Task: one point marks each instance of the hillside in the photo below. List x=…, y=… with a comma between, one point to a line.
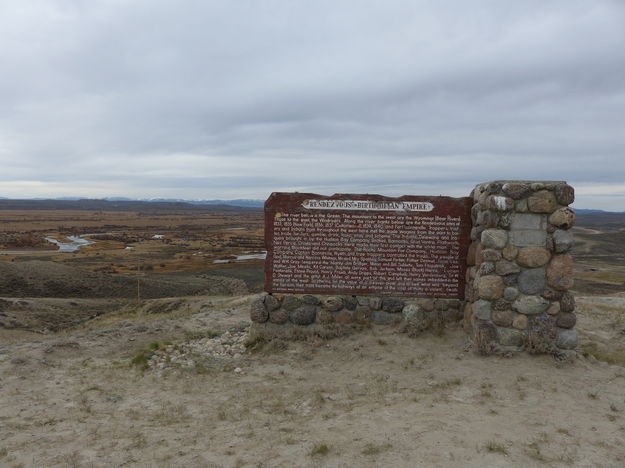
x=50, y=279
x=119, y=205
x=601, y=220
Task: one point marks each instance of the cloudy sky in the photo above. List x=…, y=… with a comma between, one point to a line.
x=236, y=99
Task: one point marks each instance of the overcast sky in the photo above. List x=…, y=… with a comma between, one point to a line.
x=236, y=99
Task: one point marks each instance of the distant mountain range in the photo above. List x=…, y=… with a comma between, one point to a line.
x=582, y=210
x=242, y=202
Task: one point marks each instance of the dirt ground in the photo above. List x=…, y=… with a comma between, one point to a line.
x=373, y=398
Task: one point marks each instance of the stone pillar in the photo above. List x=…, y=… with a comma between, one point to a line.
x=520, y=269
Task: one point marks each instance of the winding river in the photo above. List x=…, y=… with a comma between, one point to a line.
x=74, y=246
x=241, y=258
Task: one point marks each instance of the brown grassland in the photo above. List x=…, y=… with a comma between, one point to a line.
x=192, y=240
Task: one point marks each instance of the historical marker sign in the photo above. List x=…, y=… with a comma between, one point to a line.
x=366, y=244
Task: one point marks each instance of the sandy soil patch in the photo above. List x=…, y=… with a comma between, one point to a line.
x=373, y=398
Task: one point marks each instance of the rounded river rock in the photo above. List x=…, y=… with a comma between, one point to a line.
x=258, y=313
x=279, y=316
x=304, y=315
x=532, y=281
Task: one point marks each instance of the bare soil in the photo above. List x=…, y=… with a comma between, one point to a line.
x=372, y=398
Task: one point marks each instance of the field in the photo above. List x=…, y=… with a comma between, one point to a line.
x=93, y=375
x=187, y=239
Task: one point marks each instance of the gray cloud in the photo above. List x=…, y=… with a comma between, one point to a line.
x=215, y=99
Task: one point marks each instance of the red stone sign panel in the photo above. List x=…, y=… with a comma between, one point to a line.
x=366, y=245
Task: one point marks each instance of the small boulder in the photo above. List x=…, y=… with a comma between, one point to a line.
x=511, y=280
x=303, y=315
x=521, y=206
x=510, y=293
x=279, y=316
x=563, y=241
x=412, y=312
x=362, y=301
x=384, y=318
x=510, y=252
x=532, y=281
x=487, y=268
x=487, y=219
x=271, y=303
x=490, y=287
x=503, y=318
x=565, y=194
x=500, y=304
x=290, y=303
x=533, y=257
x=312, y=300
x=392, y=305
x=343, y=317
x=499, y=203
x=494, y=238
x=543, y=201
x=567, y=302
x=520, y=322
x=350, y=302
x=567, y=339
x=258, y=313
x=482, y=309
x=516, y=190
x=554, y=308
x=505, y=267
x=332, y=303
x=566, y=320
x=510, y=337
x=560, y=272
x=491, y=255
x=362, y=314
x=564, y=218
x=324, y=316
x=530, y=305
x=551, y=294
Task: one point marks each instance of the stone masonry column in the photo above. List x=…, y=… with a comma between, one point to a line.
x=520, y=269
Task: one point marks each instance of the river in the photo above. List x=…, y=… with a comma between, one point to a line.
x=241, y=258
x=74, y=246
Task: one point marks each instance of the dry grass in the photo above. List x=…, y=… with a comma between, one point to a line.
x=193, y=240
x=611, y=353
x=375, y=449
x=319, y=449
x=496, y=447
x=270, y=339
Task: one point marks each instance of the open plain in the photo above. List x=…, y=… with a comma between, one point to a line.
x=106, y=362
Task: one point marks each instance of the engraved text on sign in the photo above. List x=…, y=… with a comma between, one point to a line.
x=390, y=247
